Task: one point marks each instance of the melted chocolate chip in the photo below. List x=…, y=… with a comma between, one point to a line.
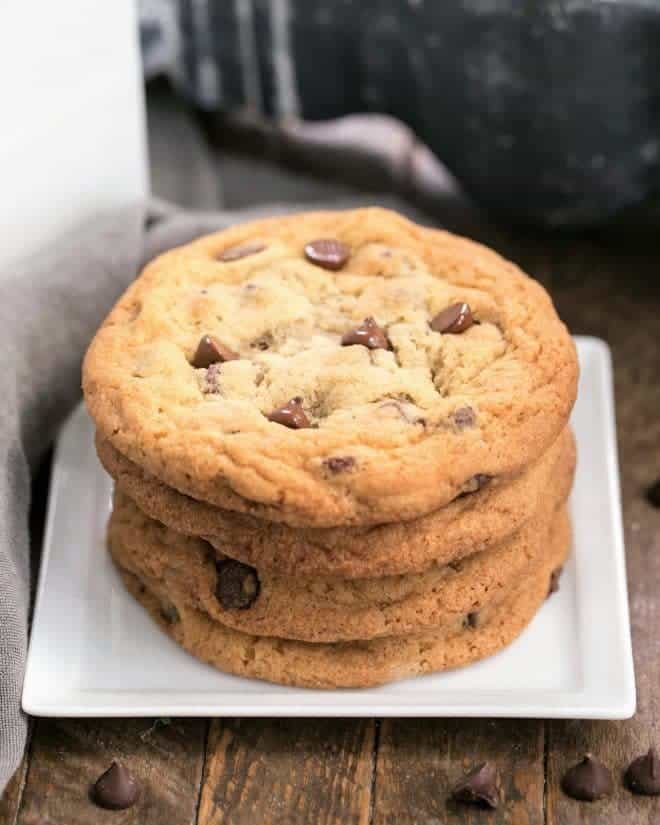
x=235, y=253
x=169, y=613
x=211, y=351
x=553, y=587
x=480, y=787
x=263, y=342
x=327, y=253
x=339, y=463
x=588, y=780
x=653, y=493
x=643, y=775
x=290, y=415
x=237, y=586
x=116, y=789
x=368, y=334
x=456, y=318
x=474, y=484
x=473, y=620
x=464, y=418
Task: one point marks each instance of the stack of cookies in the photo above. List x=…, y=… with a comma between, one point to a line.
x=340, y=444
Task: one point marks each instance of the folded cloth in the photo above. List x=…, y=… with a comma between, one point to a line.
x=50, y=307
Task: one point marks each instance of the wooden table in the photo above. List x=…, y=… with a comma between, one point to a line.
x=393, y=772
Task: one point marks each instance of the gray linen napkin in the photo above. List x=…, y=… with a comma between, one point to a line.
x=50, y=306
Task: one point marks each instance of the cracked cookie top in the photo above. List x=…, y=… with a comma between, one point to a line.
x=331, y=368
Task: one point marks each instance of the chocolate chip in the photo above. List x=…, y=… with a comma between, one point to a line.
x=211, y=351
x=237, y=586
x=339, y=463
x=456, y=318
x=480, y=787
x=653, y=493
x=169, y=613
x=588, y=780
x=474, y=484
x=235, y=253
x=553, y=587
x=116, y=789
x=290, y=415
x=368, y=334
x=472, y=620
x=643, y=775
x=263, y=342
x=464, y=417
x=327, y=253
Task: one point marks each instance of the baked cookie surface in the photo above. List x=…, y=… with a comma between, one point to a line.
x=331, y=368
x=350, y=664
x=326, y=608
x=469, y=524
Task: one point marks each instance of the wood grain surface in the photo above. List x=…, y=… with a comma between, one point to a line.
x=395, y=772
x=311, y=771
x=67, y=757
x=419, y=761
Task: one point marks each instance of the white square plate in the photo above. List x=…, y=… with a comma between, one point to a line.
x=95, y=652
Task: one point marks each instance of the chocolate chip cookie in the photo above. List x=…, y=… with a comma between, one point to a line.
x=473, y=522
x=348, y=664
x=331, y=368
x=327, y=608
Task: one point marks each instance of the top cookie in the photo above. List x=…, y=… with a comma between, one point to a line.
x=331, y=368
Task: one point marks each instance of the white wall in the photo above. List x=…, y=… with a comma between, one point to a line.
x=72, y=138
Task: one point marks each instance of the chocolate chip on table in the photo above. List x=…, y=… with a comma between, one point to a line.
x=456, y=318
x=588, y=780
x=116, y=789
x=327, y=253
x=553, y=587
x=643, y=775
x=464, y=417
x=290, y=415
x=339, y=463
x=480, y=787
x=237, y=586
x=211, y=351
x=368, y=335
x=235, y=253
x=653, y=493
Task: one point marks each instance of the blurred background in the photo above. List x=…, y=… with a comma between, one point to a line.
x=544, y=113
x=472, y=114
